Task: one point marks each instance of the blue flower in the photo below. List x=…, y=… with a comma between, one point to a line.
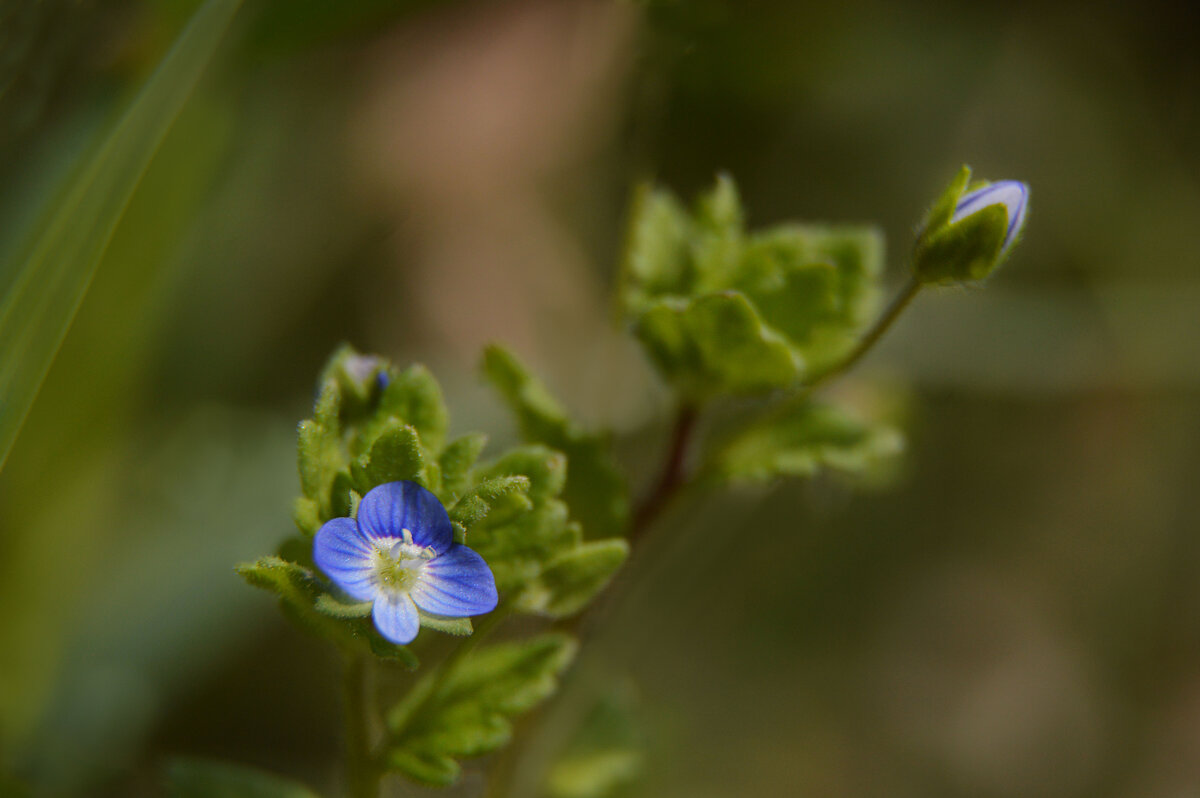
x=400, y=554
x=1013, y=195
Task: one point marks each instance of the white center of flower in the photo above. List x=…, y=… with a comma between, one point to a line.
x=398, y=566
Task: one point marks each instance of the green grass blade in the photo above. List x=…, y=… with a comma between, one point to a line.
x=62, y=255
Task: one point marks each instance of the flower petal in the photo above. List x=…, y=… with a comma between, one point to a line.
x=1012, y=194
x=346, y=557
x=458, y=583
x=396, y=617
x=389, y=509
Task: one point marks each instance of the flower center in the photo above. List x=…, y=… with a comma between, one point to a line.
x=398, y=566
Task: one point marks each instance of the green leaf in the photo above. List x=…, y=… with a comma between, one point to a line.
x=467, y=711
x=394, y=455
x=802, y=440
x=456, y=462
x=414, y=397
x=717, y=343
x=195, y=778
x=300, y=592
x=320, y=460
x=61, y=257
x=816, y=285
x=595, y=489
x=519, y=546
x=655, y=263
x=307, y=515
x=572, y=580
x=546, y=470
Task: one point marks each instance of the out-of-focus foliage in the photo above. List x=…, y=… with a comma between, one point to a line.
x=58, y=263
x=720, y=310
x=190, y=778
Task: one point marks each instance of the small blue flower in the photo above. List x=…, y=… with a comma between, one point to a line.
x=1012, y=194
x=400, y=554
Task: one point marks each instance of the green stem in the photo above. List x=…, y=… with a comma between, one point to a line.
x=868, y=341
x=362, y=777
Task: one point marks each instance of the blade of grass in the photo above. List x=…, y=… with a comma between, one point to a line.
x=62, y=255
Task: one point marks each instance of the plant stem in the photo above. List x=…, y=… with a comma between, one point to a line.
x=881, y=326
x=362, y=776
x=673, y=475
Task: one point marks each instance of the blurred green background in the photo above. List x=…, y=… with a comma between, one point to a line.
x=1015, y=612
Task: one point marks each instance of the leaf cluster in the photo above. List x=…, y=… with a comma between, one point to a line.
x=720, y=310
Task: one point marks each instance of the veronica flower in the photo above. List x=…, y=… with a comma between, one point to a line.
x=1013, y=195
x=400, y=554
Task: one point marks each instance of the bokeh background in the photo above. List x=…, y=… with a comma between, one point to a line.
x=1015, y=611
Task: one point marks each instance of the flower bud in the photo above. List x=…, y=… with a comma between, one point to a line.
x=967, y=234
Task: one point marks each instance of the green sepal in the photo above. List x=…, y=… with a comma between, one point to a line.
x=456, y=462
x=800, y=441
x=943, y=208
x=968, y=250
x=467, y=711
x=196, y=778
x=595, y=489
x=394, y=455
x=334, y=607
x=570, y=581
x=716, y=343
x=299, y=592
x=459, y=627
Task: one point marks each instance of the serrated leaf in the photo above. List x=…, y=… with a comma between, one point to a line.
x=545, y=469
x=595, y=489
x=801, y=441
x=456, y=462
x=394, y=455
x=320, y=459
x=60, y=259
x=468, y=711
x=195, y=778
x=717, y=343
x=816, y=285
x=570, y=581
